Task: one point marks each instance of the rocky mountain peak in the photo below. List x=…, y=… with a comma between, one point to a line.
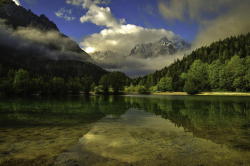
x=162, y=47
x=164, y=40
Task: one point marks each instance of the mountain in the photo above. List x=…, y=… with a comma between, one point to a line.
x=17, y=16
x=163, y=47
x=35, y=43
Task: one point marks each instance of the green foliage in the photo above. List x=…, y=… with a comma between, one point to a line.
x=247, y=73
x=197, y=78
x=214, y=74
x=235, y=73
x=114, y=80
x=104, y=82
x=218, y=55
x=98, y=89
x=136, y=89
x=21, y=82
x=190, y=87
x=142, y=89
x=165, y=84
x=153, y=89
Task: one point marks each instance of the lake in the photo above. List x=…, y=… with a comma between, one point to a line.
x=125, y=131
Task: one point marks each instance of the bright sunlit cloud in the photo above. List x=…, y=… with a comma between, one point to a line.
x=90, y=50
x=17, y=2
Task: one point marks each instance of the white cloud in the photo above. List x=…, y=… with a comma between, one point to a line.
x=66, y=14
x=100, y=16
x=17, y=2
x=218, y=19
x=87, y=3
x=194, y=9
x=119, y=38
x=40, y=43
x=96, y=14
x=232, y=23
x=123, y=38
x=135, y=66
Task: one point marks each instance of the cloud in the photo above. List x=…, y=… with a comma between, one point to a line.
x=17, y=2
x=87, y=3
x=135, y=66
x=217, y=19
x=66, y=14
x=39, y=43
x=193, y=9
x=233, y=23
x=101, y=16
x=119, y=38
x=123, y=38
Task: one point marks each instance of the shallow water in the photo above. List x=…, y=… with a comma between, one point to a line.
x=129, y=130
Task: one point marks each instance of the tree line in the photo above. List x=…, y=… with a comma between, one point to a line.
x=222, y=66
x=22, y=82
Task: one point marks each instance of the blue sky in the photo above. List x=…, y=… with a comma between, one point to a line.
x=117, y=26
x=144, y=13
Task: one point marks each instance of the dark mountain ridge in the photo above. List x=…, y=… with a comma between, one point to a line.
x=53, y=57
x=17, y=16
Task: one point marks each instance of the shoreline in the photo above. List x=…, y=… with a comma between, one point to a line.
x=203, y=94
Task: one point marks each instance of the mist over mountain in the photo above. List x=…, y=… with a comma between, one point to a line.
x=144, y=58
x=35, y=43
x=24, y=31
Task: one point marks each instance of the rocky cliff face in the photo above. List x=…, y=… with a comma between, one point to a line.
x=163, y=47
x=18, y=16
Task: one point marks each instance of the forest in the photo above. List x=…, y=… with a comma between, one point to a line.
x=222, y=66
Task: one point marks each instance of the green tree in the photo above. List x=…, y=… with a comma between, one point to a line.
x=114, y=80
x=247, y=73
x=117, y=81
x=214, y=71
x=190, y=87
x=141, y=89
x=93, y=85
x=104, y=82
x=165, y=84
x=21, y=83
x=197, y=78
x=234, y=71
